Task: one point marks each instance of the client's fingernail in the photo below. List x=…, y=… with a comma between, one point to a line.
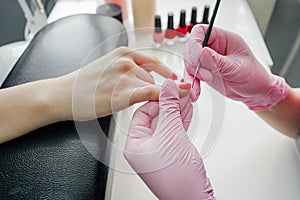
x=185, y=86
x=174, y=76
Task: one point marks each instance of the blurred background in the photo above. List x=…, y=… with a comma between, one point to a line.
x=279, y=22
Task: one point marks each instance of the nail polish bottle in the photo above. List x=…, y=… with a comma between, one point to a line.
x=205, y=15
x=158, y=35
x=182, y=29
x=193, y=19
x=170, y=33
x=143, y=13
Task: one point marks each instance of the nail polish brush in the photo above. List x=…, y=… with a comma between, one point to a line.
x=207, y=35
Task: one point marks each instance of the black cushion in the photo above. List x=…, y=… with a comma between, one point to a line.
x=52, y=162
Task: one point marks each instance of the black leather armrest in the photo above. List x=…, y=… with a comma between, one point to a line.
x=51, y=162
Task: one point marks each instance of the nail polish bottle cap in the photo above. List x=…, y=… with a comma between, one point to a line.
x=205, y=15
x=182, y=19
x=194, y=15
x=171, y=21
x=158, y=24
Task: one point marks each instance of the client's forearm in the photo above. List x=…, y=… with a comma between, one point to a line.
x=25, y=108
x=285, y=116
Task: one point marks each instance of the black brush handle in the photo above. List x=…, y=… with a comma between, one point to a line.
x=211, y=24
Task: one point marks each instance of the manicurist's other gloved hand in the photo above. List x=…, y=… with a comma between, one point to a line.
x=229, y=66
x=159, y=150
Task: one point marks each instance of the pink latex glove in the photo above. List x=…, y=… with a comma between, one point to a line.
x=159, y=150
x=229, y=66
x=196, y=89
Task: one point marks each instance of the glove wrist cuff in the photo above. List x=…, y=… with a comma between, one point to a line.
x=277, y=92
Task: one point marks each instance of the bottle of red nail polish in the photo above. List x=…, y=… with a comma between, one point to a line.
x=205, y=15
x=170, y=33
x=158, y=35
x=182, y=29
x=193, y=19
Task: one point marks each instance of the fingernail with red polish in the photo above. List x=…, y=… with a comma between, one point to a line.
x=174, y=76
x=185, y=86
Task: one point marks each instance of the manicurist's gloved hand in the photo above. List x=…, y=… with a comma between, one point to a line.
x=196, y=89
x=159, y=150
x=229, y=66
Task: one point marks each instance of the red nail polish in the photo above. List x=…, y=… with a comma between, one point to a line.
x=185, y=86
x=170, y=33
x=182, y=29
x=193, y=19
x=174, y=77
x=158, y=35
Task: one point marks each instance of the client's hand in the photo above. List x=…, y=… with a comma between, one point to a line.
x=107, y=85
x=159, y=150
